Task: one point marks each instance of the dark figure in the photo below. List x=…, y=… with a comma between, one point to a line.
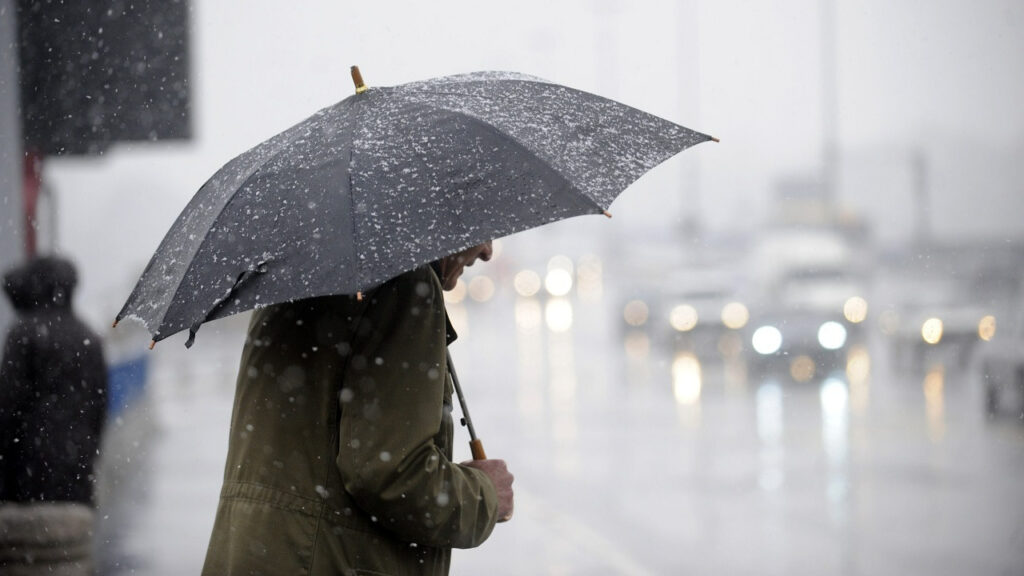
x=53, y=390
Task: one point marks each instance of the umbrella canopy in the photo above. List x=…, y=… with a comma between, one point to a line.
x=388, y=180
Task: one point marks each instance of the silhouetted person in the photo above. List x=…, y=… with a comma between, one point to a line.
x=53, y=397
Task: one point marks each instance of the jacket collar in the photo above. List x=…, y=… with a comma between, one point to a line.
x=449, y=331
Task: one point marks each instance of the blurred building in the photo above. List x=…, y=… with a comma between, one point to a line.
x=83, y=77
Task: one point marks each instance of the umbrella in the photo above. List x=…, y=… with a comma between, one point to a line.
x=388, y=180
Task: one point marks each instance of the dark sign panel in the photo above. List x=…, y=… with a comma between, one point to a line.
x=95, y=73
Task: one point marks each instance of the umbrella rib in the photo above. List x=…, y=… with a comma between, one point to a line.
x=207, y=229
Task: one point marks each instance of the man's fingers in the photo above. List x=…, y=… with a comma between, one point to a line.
x=502, y=479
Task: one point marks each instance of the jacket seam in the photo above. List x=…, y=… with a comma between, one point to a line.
x=225, y=495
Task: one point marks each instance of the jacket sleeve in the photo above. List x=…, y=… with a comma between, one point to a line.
x=392, y=408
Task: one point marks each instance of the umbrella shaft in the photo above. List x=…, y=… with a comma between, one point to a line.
x=462, y=399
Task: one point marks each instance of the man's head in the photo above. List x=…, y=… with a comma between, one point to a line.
x=451, y=267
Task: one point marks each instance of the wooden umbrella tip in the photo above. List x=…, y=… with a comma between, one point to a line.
x=359, y=296
x=607, y=214
x=152, y=344
x=357, y=79
x=713, y=139
x=114, y=325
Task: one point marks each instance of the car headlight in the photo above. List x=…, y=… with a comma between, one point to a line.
x=931, y=330
x=832, y=335
x=766, y=340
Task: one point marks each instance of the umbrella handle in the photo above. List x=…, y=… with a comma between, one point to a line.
x=477, y=448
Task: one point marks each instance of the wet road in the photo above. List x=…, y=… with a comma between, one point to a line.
x=631, y=458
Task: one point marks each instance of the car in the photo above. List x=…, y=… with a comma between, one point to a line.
x=807, y=324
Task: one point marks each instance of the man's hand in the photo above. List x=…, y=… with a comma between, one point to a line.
x=502, y=480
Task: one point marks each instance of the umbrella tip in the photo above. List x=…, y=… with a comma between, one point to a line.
x=152, y=344
x=359, y=296
x=713, y=139
x=607, y=214
x=357, y=79
x=115, y=324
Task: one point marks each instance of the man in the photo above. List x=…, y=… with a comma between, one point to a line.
x=339, y=460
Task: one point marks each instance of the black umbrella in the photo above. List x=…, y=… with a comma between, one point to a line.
x=390, y=179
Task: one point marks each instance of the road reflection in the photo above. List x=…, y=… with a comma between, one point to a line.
x=934, y=402
x=769, y=401
x=835, y=433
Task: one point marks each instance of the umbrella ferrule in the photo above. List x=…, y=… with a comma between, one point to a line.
x=357, y=79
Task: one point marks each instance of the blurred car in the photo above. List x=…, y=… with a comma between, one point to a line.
x=1000, y=360
x=693, y=308
x=946, y=333
x=706, y=321
x=1001, y=367
x=807, y=324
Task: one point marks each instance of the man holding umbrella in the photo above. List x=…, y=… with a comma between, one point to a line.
x=339, y=459
x=342, y=232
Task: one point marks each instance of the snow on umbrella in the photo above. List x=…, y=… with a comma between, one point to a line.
x=388, y=180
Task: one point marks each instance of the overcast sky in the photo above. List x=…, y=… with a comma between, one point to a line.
x=942, y=76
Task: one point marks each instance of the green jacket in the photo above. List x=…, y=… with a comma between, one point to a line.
x=339, y=460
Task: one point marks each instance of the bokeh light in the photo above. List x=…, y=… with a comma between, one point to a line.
x=858, y=364
x=987, y=328
x=560, y=262
x=481, y=288
x=766, y=340
x=529, y=316
x=855, y=309
x=558, y=282
x=635, y=313
x=558, y=315
x=638, y=345
x=834, y=398
x=683, y=318
x=735, y=315
x=931, y=330
x=686, y=378
x=456, y=294
x=832, y=335
x=802, y=368
x=527, y=283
